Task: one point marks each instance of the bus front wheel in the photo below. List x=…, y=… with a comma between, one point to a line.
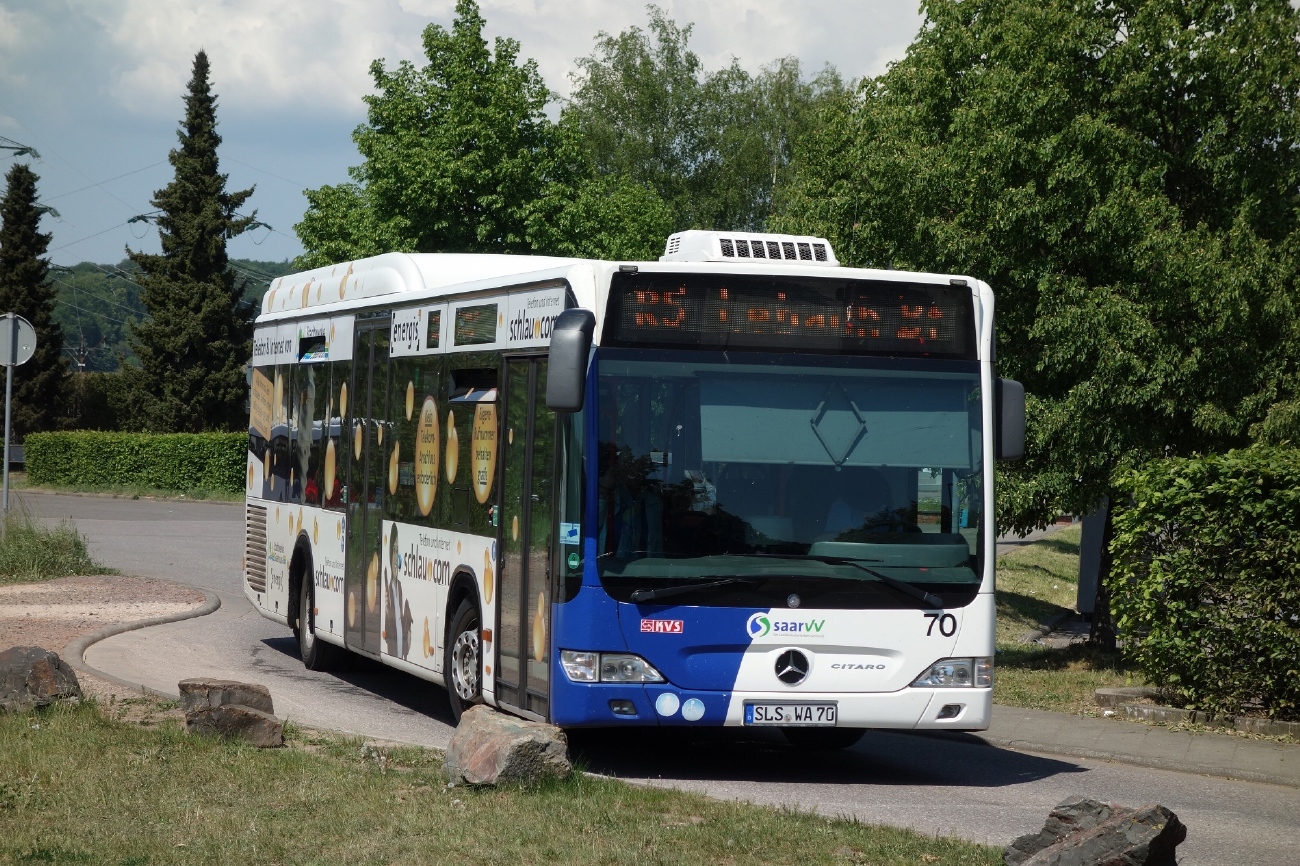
x=463, y=663
x=316, y=654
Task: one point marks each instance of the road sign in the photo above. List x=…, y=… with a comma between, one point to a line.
x=17, y=340
x=17, y=345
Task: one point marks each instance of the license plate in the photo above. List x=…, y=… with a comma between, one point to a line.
x=790, y=715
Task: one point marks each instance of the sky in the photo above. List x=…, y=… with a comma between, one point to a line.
x=96, y=86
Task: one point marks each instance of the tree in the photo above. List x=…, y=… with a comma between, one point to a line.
x=40, y=385
x=198, y=338
x=713, y=145
x=455, y=153
x=1125, y=175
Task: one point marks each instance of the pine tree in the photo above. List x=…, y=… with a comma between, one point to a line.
x=40, y=385
x=194, y=347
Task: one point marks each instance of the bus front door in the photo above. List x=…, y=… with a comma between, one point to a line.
x=366, y=490
x=523, y=615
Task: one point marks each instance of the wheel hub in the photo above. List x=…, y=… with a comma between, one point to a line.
x=464, y=665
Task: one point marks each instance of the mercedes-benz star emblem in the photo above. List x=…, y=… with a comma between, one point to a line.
x=791, y=667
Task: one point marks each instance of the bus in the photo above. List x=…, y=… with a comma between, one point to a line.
x=740, y=486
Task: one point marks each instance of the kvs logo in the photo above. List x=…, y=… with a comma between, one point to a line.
x=662, y=626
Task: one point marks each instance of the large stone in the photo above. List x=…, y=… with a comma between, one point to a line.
x=1084, y=832
x=202, y=692
x=33, y=677
x=490, y=748
x=239, y=722
x=1074, y=814
x=226, y=708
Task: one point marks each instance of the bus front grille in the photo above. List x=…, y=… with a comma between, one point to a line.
x=255, y=547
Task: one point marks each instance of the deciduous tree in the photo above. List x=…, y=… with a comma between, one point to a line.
x=715, y=146
x=1125, y=175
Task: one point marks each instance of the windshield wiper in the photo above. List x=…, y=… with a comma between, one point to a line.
x=683, y=588
x=892, y=582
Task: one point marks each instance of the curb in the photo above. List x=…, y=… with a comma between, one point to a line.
x=147, y=497
x=1046, y=628
x=74, y=653
x=1140, y=761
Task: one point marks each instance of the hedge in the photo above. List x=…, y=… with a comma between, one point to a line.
x=1206, y=578
x=170, y=461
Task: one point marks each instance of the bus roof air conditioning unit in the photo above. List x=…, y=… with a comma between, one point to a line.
x=748, y=247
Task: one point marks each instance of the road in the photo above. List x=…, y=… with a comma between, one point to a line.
x=958, y=785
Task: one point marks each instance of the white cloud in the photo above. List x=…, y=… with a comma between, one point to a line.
x=314, y=55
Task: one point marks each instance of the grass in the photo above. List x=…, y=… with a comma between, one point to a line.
x=31, y=551
x=18, y=481
x=1035, y=584
x=77, y=786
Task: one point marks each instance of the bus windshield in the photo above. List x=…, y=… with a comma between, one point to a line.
x=834, y=477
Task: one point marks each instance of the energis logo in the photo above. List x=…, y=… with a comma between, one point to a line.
x=762, y=625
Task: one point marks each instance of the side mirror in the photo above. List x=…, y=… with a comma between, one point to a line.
x=1009, y=422
x=566, y=378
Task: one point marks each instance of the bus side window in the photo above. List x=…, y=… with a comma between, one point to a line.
x=337, y=406
x=473, y=400
x=418, y=454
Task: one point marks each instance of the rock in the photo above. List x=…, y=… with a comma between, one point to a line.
x=227, y=708
x=490, y=748
x=1084, y=832
x=33, y=677
x=202, y=692
x=1076, y=813
x=255, y=727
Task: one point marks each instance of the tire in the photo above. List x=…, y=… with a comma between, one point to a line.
x=462, y=662
x=822, y=739
x=316, y=654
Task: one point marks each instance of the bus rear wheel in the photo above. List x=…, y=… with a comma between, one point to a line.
x=463, y=665
x=316, y=654
x=822, y=739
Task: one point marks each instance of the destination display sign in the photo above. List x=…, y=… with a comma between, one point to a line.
x=818, y=314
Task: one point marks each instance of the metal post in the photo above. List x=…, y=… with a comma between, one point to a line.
x=11, y=362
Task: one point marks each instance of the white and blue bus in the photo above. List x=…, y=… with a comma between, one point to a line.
x=741, y=485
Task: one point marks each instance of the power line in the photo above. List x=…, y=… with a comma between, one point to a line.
x=78, y=171
x=264, y=171
x=95, y=314
x=110, y=180
x=86, y=238
x=75, y=289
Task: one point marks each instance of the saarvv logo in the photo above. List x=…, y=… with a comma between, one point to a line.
x=662, y=626
x=761, y=625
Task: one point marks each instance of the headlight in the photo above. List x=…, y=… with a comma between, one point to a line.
x=580, y=667
x=590, y=667
x=957, y=673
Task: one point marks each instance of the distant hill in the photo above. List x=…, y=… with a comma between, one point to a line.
x=97, y=304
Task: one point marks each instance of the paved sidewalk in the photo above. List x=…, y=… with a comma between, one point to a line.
x=1212, y=754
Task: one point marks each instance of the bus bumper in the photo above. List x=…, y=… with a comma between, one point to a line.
x=606, y=705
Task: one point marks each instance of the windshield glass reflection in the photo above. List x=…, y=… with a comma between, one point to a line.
x=714, y=464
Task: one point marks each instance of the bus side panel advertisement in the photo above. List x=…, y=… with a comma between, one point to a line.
x=530, y=316
x=419, y=565
x=325, y=531
x=417, y=331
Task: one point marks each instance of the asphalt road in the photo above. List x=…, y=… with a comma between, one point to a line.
x=957, y=785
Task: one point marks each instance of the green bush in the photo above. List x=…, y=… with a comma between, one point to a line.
x=163, y=461
x=1206, y=579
